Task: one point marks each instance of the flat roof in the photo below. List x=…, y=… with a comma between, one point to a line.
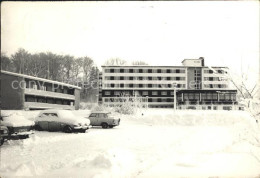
x=39, y=79
x=190, y=59
x=148, y=66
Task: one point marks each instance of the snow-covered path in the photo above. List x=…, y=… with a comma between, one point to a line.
x=136, y=149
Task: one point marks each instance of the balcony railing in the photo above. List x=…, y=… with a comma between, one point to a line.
x=48, y=94
x=37, y=105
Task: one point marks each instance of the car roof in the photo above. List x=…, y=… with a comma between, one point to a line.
x=52, y=110
x=103, y=112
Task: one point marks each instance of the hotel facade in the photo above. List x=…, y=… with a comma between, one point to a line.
x=20, y=91
x=195, y=85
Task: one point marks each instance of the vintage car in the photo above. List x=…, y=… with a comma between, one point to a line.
x=3, y=134
x=61, y=120
x=103, y=119
x=18, y=126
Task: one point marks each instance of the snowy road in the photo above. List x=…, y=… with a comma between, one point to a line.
x=135, y=149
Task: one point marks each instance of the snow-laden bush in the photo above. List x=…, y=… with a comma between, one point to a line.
x=87, y=106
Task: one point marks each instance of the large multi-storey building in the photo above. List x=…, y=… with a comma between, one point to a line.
x=20, y=91
x=196, y=86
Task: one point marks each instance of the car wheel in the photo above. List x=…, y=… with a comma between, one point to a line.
x=67, y=129
x=37, y=127
x=104, y=125
x=2, y=141
x=111, y=126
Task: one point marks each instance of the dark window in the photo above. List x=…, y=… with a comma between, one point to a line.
x=121, y=85
x=112, y=85
x=168, y=70
x=150, y=71
x=210, y=78
x=131, y=85
x=168, y=78
x=150, y=85
x=140, y=70
x=159, y=70
x=112, y=78
x=177, y=70
x=112, y=70
x=131, y=78
x=211, y=71
x=178, y=78
x=121, y=78
x=140, y=78
x=131, y=70
x=159, y=78
x=141, y=85
x=121, y=70
x=150, y=78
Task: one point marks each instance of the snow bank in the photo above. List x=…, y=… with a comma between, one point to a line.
x=191, y=117
x=115, y=162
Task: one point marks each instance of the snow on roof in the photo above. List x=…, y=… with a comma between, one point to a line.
x=39, y=79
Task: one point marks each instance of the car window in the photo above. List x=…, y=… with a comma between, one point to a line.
x=93, y=115
x=53, y=115
x=101, y=115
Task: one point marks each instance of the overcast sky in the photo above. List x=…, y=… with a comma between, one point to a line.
x=160, y=33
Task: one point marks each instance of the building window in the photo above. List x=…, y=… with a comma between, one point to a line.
x=159, y=71
x=140, y=85
x=107, y=70
x=182, y=71
x=154, y=93
x=121, y=78
x=131, y=85
x=140, y=70
x=145, y=93
x=163, y=70
x=121, y=70
x=121, y=85
x=107, y=93
x=131, y=70
x=150, y=71
x=112, y=70
x=117, y=93
x=227, y=108
x=164, y=93
x=177, y=70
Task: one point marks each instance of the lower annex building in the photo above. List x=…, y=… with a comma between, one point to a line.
x=19, y=91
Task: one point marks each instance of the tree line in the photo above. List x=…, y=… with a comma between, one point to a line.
x=80, y=71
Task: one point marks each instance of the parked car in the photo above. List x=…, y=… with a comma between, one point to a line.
x=18, y=126
x=61, y=120
x=103, y=119
x=3, y=134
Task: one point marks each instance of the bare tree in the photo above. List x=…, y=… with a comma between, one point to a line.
x=115, y=62
x=139, y=63
x=6, y=63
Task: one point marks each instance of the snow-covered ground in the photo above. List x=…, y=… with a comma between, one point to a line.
x=153, y=143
